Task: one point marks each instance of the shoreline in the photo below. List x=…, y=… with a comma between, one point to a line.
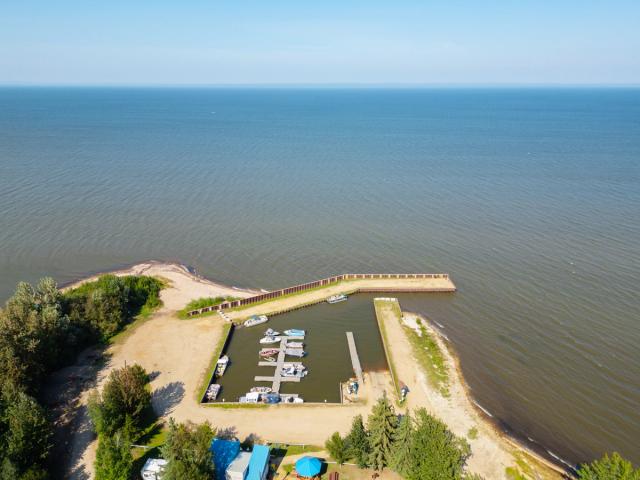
x=496, y=425
x=185, y=285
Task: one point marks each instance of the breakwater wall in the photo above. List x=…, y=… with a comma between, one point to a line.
x=374, y=278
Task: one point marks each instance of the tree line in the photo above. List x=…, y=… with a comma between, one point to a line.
x=418, y=446
x=41, y=330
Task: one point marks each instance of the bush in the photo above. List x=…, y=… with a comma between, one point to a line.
x=187, y=452
x=336, y=447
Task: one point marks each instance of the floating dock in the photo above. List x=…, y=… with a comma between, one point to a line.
x=276, y=379
x=355, y=360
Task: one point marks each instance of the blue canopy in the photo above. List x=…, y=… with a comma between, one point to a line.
x=308, y=466
x=224, y=452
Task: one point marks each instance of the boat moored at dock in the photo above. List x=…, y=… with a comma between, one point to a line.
x=337, y=298
x=269, y=340
x=269, y=352
x=294, y=332
x=295, y=352
x=295, y=344
x=212, y=392
x=271, y=333
x=256, y=320
x=221, y=365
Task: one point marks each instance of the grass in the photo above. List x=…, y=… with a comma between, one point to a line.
x=472, y=433
x=380, y=306
x=152, y=439
x=428, y=353
x=203, y=302
x=230, y=405
x=204, y=381
x=287, y=450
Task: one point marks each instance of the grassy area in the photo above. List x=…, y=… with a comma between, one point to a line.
x=201, y=303
x=149, y=446
x=231, y=405
x=427, y=352
x=286, y=450
x=394, y=307
x=204, y=381
x=472, y=433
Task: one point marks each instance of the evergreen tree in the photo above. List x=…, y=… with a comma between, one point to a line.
x=381, y=425
x=337, y=448
x=113, y=457
x=436, y=452
x=358, y=443
x=612, y=467
x=402, y=446
x=187, y=452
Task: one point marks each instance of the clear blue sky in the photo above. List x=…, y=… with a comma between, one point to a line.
x=321, y=41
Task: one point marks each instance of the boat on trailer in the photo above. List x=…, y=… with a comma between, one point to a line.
x=221, y=365
x=269, y=340
x=294, y=332
x=256, y=320
x=337, y=298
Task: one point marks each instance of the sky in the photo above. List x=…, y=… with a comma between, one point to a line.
x=446, y=42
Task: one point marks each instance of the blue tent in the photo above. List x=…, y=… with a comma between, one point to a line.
x=259, y=463
x=224, y=452
x=308, y=466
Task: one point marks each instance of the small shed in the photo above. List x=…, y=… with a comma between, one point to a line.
x=259, y=463
x=153, y=469
x=238, y=468
x=224, y=452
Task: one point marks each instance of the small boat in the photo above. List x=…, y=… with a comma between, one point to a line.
x=271, y=398
x=295, y=344
x=294, y=332
x=270, y=359
x=271, y=333
x=294, y=371
x=222, y=365
x=269, y=340
x=268, y=352
x=290, y=399
x=251, y=397
x=260, y=390
x=255, y=320
x=337, y=298
x=295, y=352
x=212, y=391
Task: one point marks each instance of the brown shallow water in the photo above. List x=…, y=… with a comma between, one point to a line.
x=328, y=359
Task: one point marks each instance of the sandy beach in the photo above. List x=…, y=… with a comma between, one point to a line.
x=177, y=353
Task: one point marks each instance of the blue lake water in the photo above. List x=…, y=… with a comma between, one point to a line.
x=529, y=198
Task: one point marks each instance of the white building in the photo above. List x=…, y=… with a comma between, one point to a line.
x=153, y=469
x=237, y=470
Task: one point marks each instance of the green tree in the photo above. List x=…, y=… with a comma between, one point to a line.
x=358, y=442
x=27, y=432
x=337, y=448
x=612, y=467
x=381, y=426
x=113, y=457
x=437, y=454
x=402, y=453
x=187, y=452
x=124, y=401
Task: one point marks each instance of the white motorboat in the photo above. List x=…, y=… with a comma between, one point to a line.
x=294, y=332
x=212, y=392
x=295, y=352
x=271, y=333
x=269, y=340
x=337, y=298
x=221, y=365
x=256, y=320
x=295, y=344
x=260, y=390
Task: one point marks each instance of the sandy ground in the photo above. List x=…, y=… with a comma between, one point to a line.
x=177, y=353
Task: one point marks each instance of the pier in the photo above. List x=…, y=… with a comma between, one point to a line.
x=355, y=360
x=276, y=379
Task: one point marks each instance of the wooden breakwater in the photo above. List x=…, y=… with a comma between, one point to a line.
x=370, y=282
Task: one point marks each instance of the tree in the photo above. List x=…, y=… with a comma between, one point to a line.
x=187, y=451
x=402, y=453
x=612, y=467
x=337, y=448
x=27, y=433
x=125, y=399
x=436, y=452
x=113, y=457
x=381, y=425
x=358, y=442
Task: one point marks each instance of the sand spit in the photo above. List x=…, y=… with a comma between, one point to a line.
x=177, y=354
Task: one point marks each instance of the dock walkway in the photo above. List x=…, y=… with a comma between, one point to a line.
x=355, y=360
x=276, y=379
